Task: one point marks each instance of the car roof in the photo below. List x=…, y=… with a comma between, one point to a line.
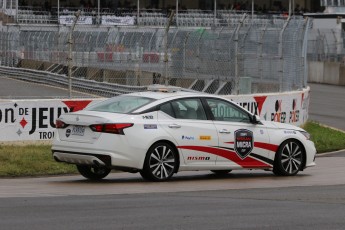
x=164, y=95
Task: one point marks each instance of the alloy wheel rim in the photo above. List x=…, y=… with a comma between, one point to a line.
x=162, y=162
x=291, y=157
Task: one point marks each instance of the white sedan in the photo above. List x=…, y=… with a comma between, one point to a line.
x=161, y=133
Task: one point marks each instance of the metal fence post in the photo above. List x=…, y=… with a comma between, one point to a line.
x=304, y=52
x=198, y=52
x=281, y=55
x=184, y=53
x=237, y=77
x=260, y=48
x=70, y=58
x=166, y=58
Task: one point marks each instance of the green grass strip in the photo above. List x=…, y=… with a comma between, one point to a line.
x=326, y=139
x=30, y=160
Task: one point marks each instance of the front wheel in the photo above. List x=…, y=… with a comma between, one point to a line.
x=289, y=159
x=93, y=172
x=161, y=162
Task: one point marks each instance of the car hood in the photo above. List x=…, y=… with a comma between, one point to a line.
x=277, y=125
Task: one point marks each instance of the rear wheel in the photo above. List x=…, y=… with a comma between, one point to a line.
x=161, y=162
x=93, y=172
x=289, y=159
x=221, y=172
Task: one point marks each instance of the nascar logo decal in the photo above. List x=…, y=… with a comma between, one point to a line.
x=243, y=142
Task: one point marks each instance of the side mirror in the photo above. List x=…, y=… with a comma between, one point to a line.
x=256, y=119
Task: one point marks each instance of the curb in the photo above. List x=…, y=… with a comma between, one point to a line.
x=329, y=153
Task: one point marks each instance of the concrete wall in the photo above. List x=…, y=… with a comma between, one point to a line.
x=326, y=72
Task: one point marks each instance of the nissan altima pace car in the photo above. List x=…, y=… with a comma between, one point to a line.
x=161, y=133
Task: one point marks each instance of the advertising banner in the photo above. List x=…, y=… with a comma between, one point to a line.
x=34, y=120
x=117, y=21
x=291, y=108
x=22, y=120
x=69, y=19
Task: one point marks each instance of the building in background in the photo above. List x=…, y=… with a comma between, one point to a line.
x=300, y=6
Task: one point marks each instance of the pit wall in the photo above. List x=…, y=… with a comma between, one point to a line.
x=33, y=120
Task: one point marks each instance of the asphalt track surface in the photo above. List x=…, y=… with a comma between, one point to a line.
x=14, y=89
x=327, y=105
x=314, y=199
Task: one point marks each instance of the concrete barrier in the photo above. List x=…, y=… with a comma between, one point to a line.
x=326, y=72
x=34, y=120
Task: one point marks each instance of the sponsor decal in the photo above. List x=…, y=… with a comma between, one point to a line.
x=305, y=106
x=289, y=132
x=75, y=106
x=244, y=142
x=278, y=116
x=205, y=138
x=198, y=158
x=294, y=114
x=29, y=121
x=254, y=107
x=260, y=102
x=188, y=138
x=148, y=117
x=150, y=126
x=249, y=162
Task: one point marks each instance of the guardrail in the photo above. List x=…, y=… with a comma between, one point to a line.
x=91, y=87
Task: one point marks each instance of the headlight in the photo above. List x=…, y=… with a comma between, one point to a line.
x=306, y=134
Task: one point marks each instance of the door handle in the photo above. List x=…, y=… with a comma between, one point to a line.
x=174, y=126
x=225, y=131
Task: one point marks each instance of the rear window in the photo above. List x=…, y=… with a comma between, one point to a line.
x=121, y=104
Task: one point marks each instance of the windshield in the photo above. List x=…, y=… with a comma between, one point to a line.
x=120, y=104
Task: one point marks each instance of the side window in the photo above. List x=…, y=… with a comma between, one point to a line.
x=166, y=108
x=225, y=111
x=189, y=109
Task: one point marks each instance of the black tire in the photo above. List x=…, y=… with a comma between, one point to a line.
x=289, y=159
x=221, y=172
x=93, y=172
x=161, y=162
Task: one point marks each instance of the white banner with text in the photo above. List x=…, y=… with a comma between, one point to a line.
x=22, y=120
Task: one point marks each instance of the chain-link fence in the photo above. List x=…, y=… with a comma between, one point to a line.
x=327, y=45
x=248, y=55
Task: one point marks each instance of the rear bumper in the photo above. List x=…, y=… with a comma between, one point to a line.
x=82, y=158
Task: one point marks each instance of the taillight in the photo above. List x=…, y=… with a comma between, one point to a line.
x=111, y=128
x=60, y=124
